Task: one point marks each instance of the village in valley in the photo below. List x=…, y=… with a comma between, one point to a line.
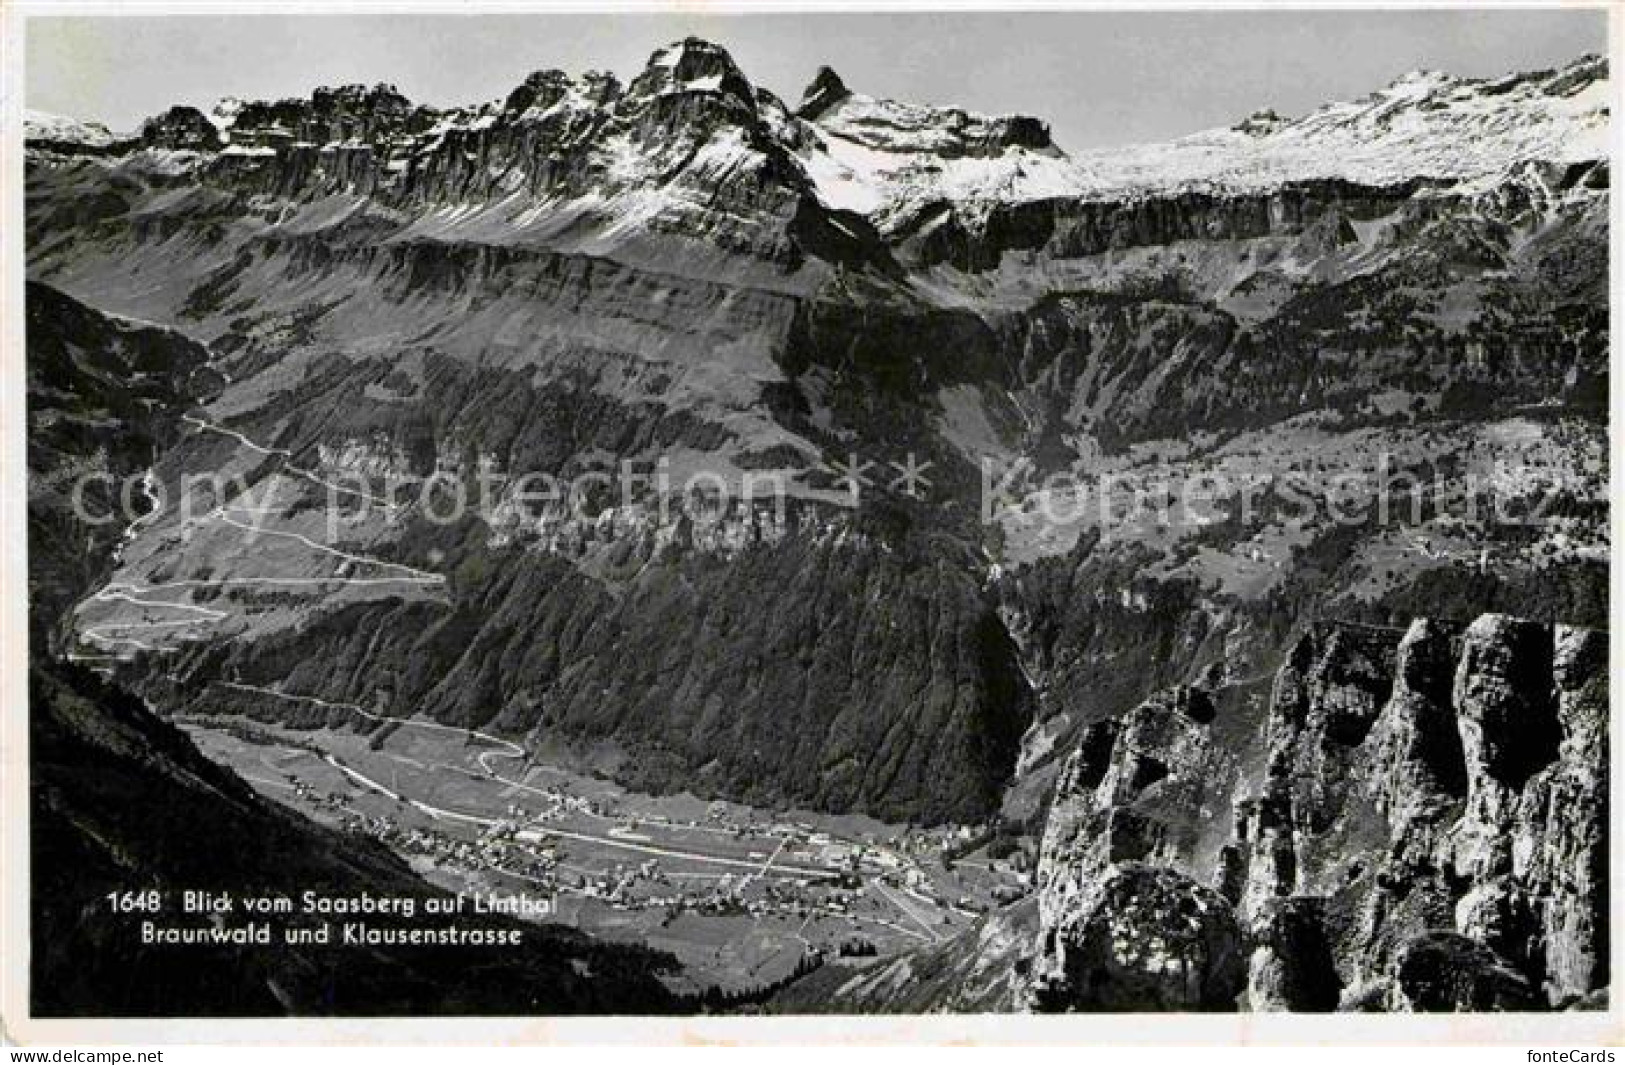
x=743, y=898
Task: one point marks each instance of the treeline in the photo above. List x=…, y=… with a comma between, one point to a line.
x=715, y=999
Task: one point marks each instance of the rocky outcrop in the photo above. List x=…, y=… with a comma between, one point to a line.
x=1142, y=939
x=1125, y=924
x=1535, y=709
x=181, y=129
x=1427, y=830
x=1292, y=967
x=1444, y=972
x=356, y=113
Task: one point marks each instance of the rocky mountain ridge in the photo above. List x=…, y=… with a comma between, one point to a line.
x=859, y=151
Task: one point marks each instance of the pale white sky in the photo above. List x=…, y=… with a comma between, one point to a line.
x=1098, y=78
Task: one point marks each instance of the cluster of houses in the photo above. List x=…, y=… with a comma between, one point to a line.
x=520, y=843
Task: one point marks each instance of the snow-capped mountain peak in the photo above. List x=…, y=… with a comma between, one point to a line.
x=46, y=127
x=1423, y=124
x=691, y=65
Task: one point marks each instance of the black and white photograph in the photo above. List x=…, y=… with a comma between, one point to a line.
x=748, y=516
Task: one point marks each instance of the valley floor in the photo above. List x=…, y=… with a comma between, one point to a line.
x=743, y=897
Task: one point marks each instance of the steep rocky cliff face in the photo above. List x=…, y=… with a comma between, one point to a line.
x=1409, y=820
x=908, y=705
x=404, y=303
x=104, y=397
x=1419, y=824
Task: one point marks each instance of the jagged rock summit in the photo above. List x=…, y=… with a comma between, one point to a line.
x=885, y=159
x=692, y=65
x=823, y=92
